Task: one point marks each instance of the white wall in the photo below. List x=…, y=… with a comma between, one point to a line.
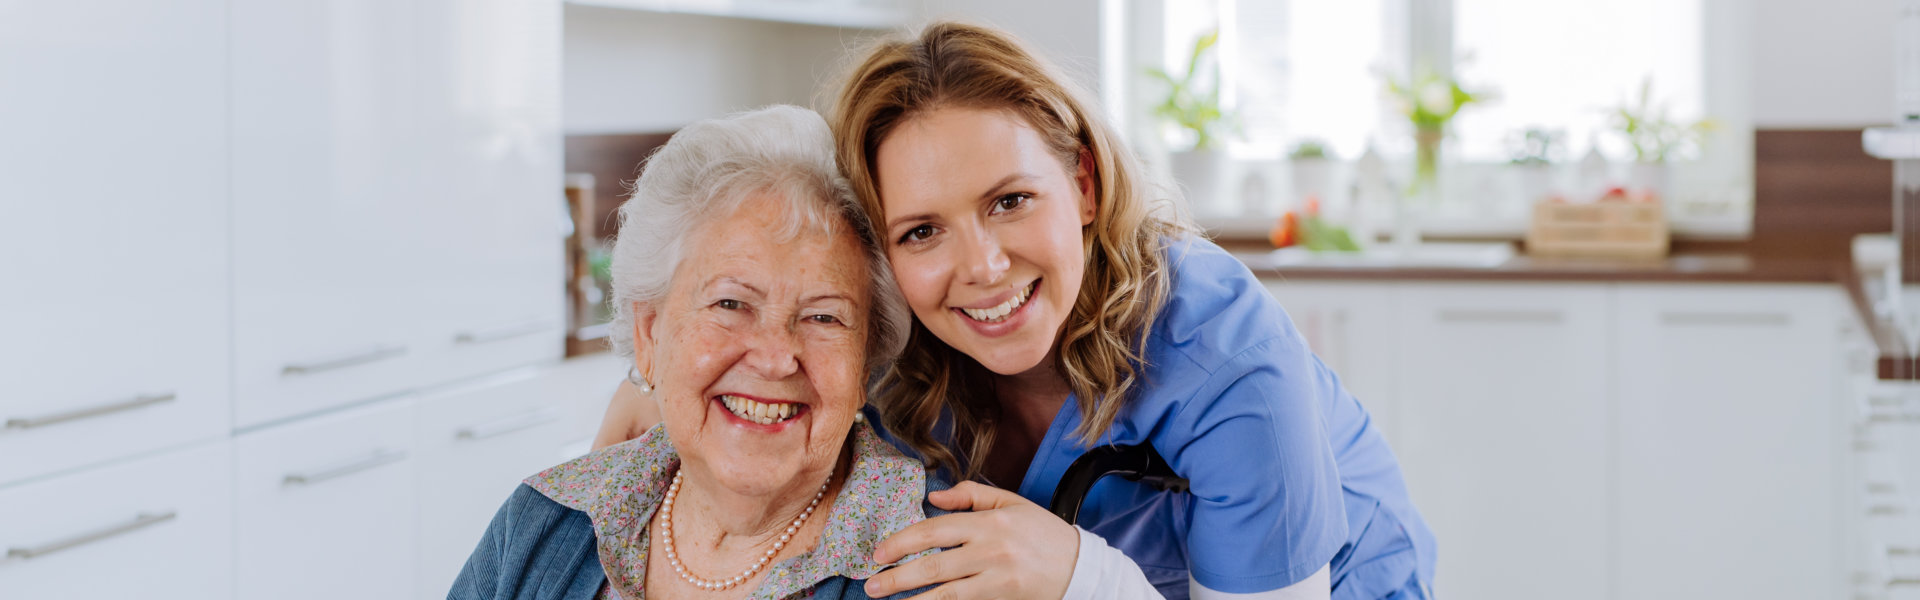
x=1823, y=63
x=1066, y=32
x=634, y=71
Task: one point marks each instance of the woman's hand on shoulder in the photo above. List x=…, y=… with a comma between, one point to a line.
x=629, y=414
x=1007, y=547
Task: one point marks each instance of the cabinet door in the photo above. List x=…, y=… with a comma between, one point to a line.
x=476, y=442
x=325, y=506
x=489, y=105
x=1503, y=434
x=329, y=272
x=1350, y=326
x=113, y=230
x=1729, y=442
x=158, y=527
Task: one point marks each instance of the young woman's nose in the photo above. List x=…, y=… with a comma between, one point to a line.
x=983, y=262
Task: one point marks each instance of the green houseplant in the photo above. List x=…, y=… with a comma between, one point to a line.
x=1655, y=138
x=1192, y=111
x=1430, y=100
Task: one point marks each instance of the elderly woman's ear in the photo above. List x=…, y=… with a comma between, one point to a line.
x=631, y=412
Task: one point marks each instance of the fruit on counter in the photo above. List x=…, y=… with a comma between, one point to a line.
x=1307, y=229
x=1286, y=231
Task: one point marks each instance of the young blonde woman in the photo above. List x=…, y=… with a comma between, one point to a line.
x=1057, y=308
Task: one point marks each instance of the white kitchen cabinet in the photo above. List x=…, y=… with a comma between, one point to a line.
x=1350, y=327
x=330, y=269
x=1502, y=393
x=1730, y=444
x=476, y=441
x=325, y=507
x=158, y=527
x=112, y=227
x=488, y=95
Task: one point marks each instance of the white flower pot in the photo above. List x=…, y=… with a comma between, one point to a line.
x=1312, y=178
x=1651, y=179
x=1202, y=175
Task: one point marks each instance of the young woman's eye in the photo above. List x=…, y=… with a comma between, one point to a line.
x=1009, y=202
x=730, y=304
x=917, y=234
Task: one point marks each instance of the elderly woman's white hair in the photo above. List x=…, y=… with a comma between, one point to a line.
x=705, y=171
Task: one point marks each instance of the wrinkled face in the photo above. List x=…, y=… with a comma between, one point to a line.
x=757, y=351
x=983, y=228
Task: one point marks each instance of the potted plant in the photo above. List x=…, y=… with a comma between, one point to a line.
x=1533, y=151
x=1192, y=109
x=1312, y=167
x=1429, y=101
x=1654, y=138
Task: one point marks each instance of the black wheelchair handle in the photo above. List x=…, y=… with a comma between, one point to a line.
x=1131, y=462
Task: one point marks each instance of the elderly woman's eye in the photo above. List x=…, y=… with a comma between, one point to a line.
x=729, y=304
x=917, y=234
x=824, y=319
x=1009, y=202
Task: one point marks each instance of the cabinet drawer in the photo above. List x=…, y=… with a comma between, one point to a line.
x=50, y=430
x=161, y=527
x=324, y=507
x=476, y=442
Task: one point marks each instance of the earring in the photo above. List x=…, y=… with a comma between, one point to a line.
x=633, y=375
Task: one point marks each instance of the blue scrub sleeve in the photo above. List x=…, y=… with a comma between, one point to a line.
x=1267, y=509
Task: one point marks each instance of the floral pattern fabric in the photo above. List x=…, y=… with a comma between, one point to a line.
x=619, y=486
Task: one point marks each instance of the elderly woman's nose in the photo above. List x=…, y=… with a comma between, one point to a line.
x=983, y=260
x=773, y=351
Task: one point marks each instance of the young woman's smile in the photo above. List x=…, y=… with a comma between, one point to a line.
x=983, y=226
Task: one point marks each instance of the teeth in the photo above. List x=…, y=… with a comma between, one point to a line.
x=995, y=314
x=759, y=412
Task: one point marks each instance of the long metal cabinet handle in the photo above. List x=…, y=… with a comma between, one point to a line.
x=90, y=411
x=140, y=521
x=1501, y=316
x=506, y=332
x=1725, y=318
x=379, y=458
x=503, y=426
x=340, y=362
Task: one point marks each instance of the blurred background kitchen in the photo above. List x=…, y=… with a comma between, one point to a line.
x=295, y=291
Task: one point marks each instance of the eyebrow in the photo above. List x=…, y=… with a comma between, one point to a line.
x=732, y=280
x=1004, y=182
x=828, y=296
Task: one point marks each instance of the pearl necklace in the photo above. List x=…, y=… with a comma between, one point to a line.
x=673, y=558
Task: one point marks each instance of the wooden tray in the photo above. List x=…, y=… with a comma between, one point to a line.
x=1599, y=229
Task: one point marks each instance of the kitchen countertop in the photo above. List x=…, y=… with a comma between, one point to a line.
x=1708, y=262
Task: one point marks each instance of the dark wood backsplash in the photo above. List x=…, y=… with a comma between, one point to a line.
x=614, y=160
x=1814, y=190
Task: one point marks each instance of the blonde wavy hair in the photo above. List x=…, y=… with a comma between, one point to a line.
x=1102, y=349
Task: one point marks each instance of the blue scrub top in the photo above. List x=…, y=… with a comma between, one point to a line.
x=1288, y=472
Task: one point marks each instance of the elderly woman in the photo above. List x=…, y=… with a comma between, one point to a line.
x=753, y=302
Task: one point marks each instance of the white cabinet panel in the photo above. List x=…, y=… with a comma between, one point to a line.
x=1503, y=435
x=113, y=221
x=1350, y=327
x=489, y=108
x=476, y=442
x=159, y=527
x=1729, y=416
x=325, y=506
x=328, y=271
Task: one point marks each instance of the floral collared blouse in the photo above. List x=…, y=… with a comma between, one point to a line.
x=619, y=486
